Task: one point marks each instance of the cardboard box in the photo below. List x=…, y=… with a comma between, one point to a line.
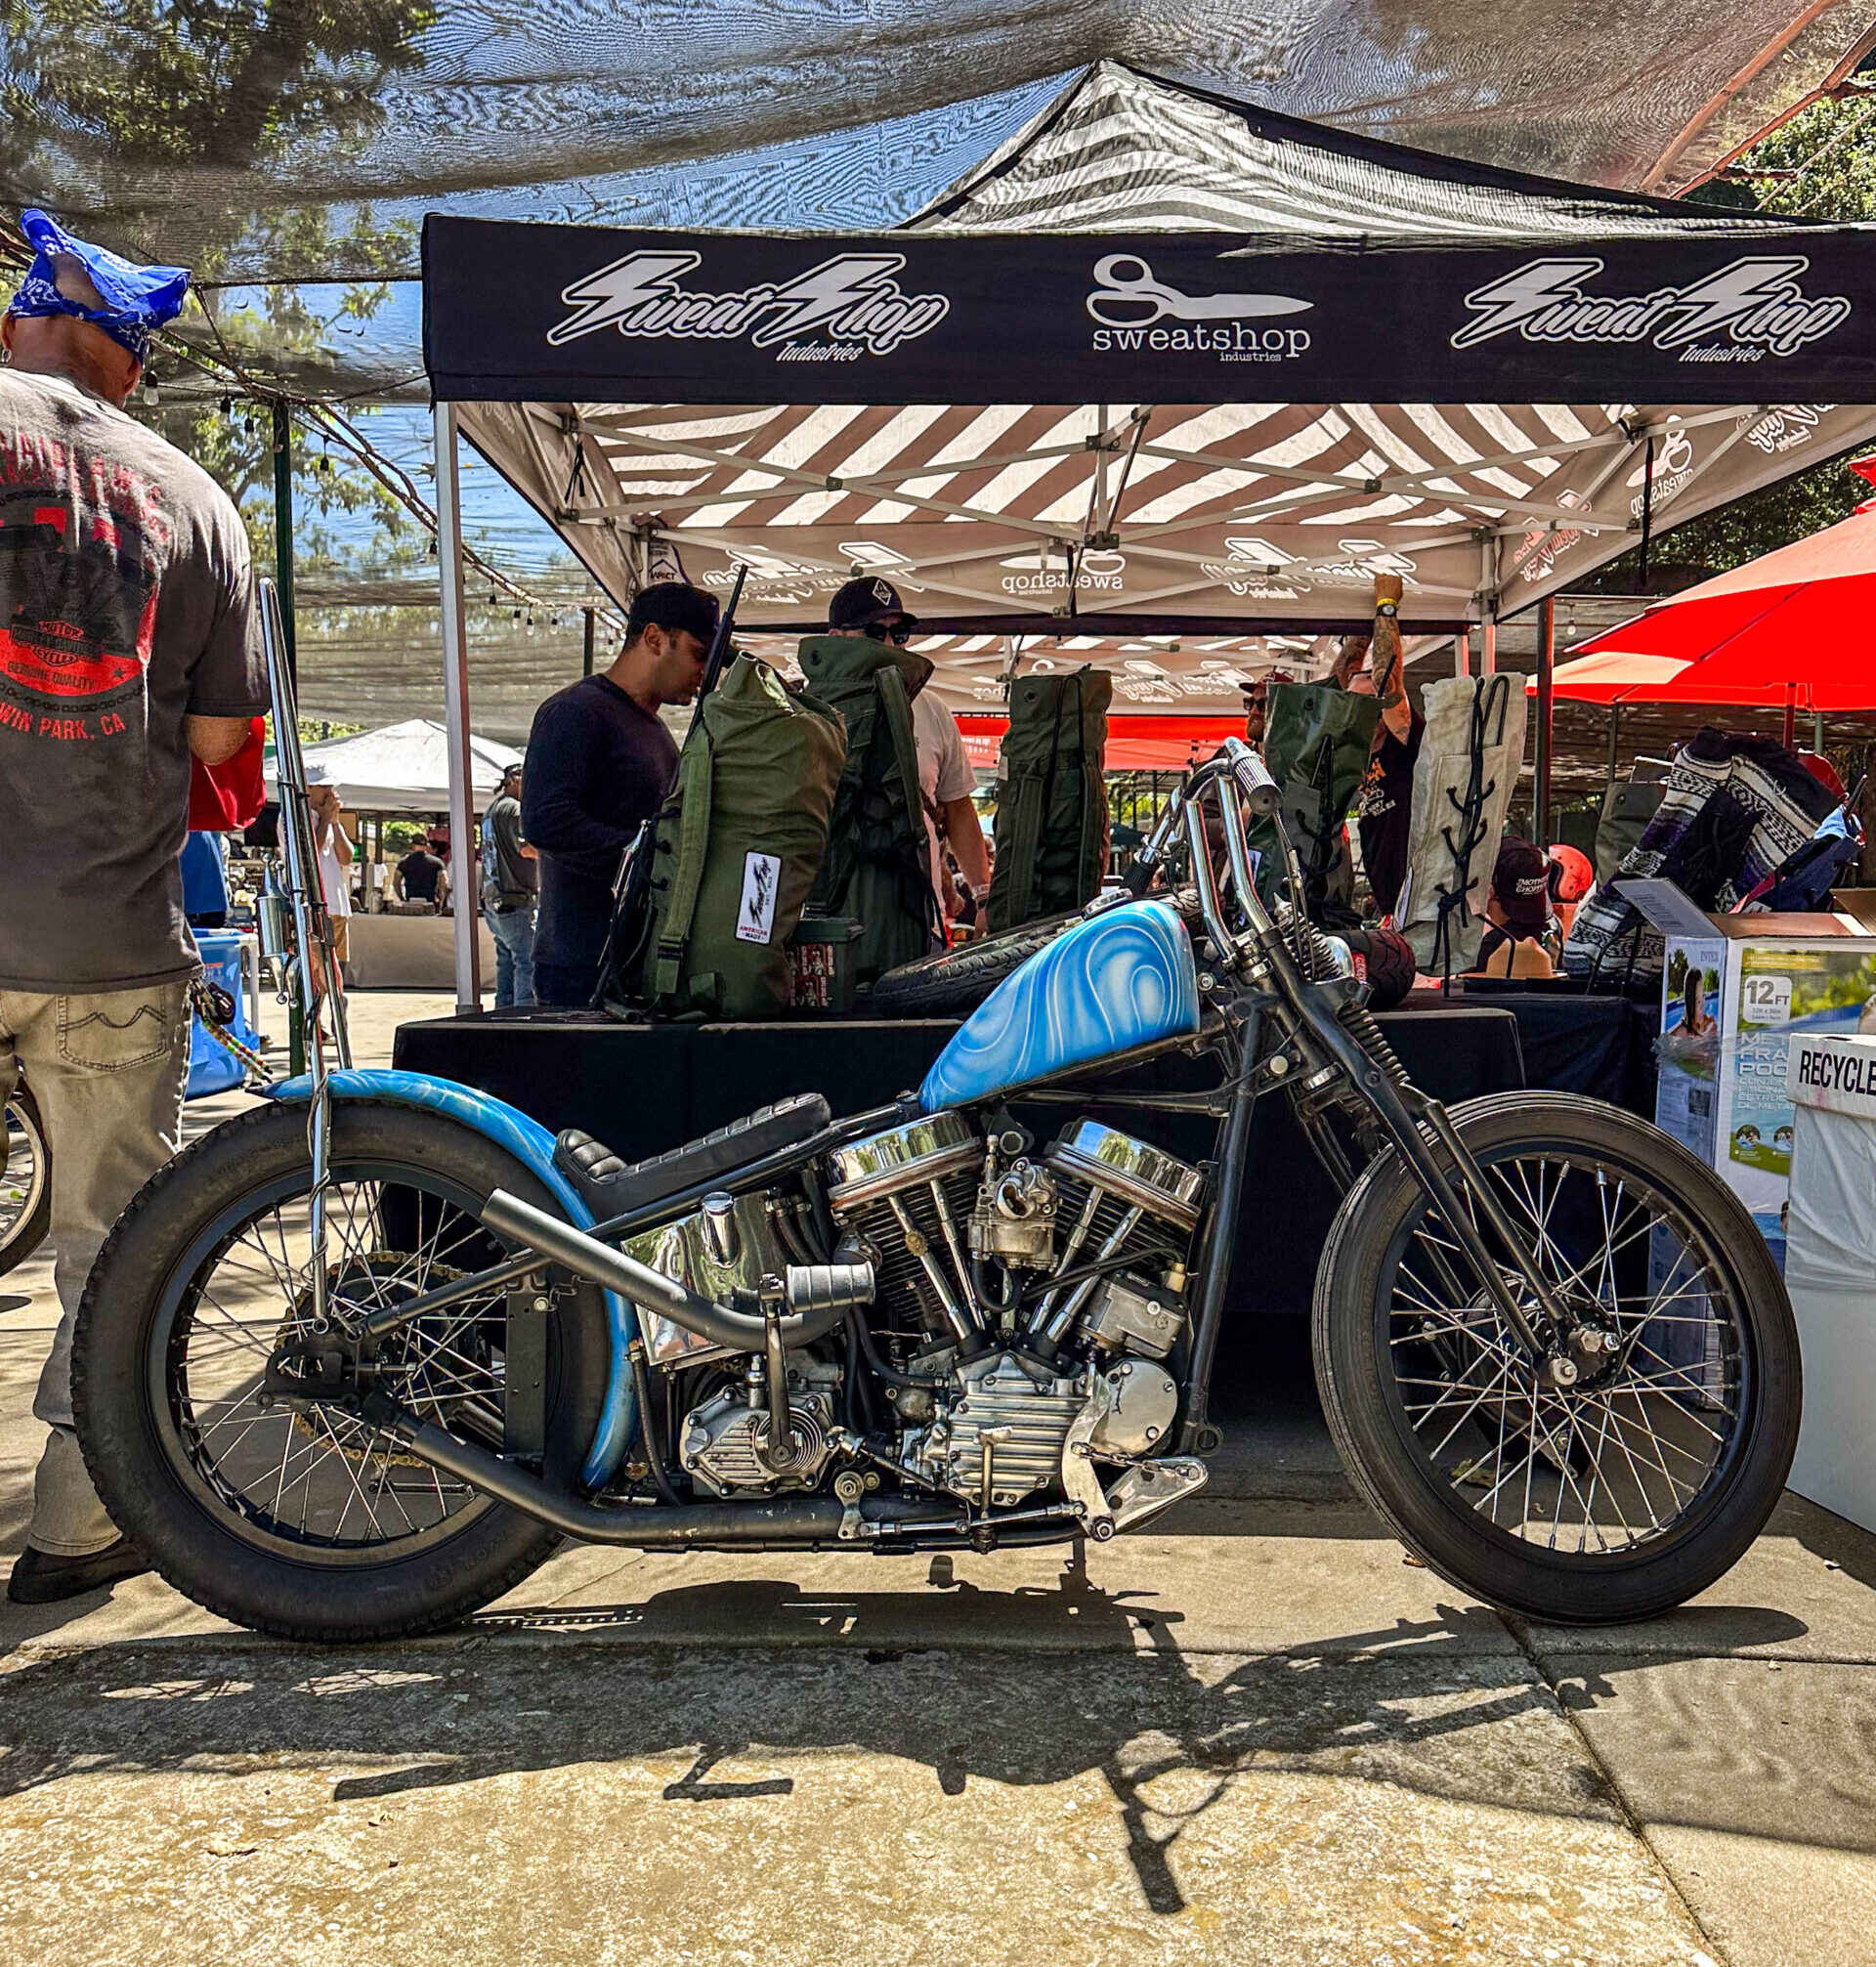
x=1732, y=999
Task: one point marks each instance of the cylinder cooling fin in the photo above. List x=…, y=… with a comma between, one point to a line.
x=1142, y=1176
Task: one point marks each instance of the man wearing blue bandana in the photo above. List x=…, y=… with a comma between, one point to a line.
x=127, y=643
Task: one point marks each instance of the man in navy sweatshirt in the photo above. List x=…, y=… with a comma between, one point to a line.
x=600, y=762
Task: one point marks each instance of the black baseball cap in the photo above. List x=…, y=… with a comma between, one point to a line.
x=865, y=601
x=676, y=605
x=1521, y=884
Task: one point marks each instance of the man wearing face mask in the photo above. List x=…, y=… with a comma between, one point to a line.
x=600, y=762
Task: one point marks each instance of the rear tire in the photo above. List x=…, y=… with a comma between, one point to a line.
x=143, y=1429
x=25, y=1180
x=955, y=982
x=1396, y=1362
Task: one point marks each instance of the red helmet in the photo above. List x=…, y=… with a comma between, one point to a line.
x=1572, y=875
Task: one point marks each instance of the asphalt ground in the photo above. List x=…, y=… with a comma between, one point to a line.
x=1259, y=1734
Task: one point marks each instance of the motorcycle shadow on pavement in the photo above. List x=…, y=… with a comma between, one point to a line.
x=1027, y=1688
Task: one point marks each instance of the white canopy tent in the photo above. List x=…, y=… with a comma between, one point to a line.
x=1171, y=541
x=404, y=768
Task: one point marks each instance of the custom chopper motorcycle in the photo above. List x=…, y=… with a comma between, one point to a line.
x=355, y=1362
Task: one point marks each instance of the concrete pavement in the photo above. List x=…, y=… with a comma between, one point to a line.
x=1259, y=1736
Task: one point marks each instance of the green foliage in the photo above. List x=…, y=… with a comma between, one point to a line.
x=1820, y=165
x=97, y=97
x=164, y=82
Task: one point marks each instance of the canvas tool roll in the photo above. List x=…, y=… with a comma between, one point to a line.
x=877, y=867
x=1470, y=754
x=738, y=845
x=1051, y=802
x=1316, y=744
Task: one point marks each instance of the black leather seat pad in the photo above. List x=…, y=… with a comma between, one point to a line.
x=612, y=1186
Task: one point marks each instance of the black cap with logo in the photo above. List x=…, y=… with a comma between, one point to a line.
x=1521, y=884
x=862, y=603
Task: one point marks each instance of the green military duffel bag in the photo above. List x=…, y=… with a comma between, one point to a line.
x=1316, y=743
x=1052, y=803
x=739, y=844
x=878, y=867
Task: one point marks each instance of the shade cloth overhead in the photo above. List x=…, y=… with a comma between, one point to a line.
x=404, y=768
x=288, y=141
x=1791, y=626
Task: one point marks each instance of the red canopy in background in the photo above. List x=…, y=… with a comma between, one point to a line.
x=1143, y=742
x=1790, y=628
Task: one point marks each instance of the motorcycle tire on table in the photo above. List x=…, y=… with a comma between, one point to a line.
x=955, y=982
x=26, y=1180
x=1649, y=1479
x=197, y=1283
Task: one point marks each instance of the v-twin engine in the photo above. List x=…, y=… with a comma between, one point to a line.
x=1003, y=1435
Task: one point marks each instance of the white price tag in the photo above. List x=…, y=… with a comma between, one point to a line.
x=1765, y=1000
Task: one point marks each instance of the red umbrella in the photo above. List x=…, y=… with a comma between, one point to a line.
x=1788, y=628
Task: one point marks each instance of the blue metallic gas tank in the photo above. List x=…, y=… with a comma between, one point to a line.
x=1113, y=982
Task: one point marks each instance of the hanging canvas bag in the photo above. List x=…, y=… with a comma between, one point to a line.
x=1052, y=803
x=1470, y=754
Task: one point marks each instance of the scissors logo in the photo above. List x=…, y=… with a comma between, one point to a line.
x=1129, y=297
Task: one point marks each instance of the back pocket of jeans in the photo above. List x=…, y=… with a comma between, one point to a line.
x=112, y=1031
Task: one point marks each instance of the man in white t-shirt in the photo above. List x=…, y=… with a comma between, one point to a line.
x=944, y=782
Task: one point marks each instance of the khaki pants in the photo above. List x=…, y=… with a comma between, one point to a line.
x=109, y=1070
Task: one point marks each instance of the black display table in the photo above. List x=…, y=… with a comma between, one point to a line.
x=644, y=1088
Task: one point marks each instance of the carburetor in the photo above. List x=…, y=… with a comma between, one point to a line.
x=1014, y=1219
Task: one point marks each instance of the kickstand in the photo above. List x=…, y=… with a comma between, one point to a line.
x=1075, y=1568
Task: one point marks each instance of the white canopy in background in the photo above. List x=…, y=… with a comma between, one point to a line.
x=404, y=768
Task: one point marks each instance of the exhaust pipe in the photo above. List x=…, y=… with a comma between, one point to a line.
x=819, y=1293
x=683, y=1526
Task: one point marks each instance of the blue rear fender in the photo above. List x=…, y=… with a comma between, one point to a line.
x=534, y=1147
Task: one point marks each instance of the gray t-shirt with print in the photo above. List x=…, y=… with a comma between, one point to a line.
x=126, y=604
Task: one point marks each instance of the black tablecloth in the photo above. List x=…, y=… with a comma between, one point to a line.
x=1599, y=1045
x=644, y=1088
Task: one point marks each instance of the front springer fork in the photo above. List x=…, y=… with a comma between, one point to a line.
x=1408, y=1118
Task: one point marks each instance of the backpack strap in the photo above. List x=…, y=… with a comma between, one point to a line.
x=1093, y=795
x=890, y=683
x=693, y=793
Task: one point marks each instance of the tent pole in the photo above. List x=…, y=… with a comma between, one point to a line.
x=1616, y=738
x=1546, y=704
x=1791, y=715
x=586, y=645
x=455, y=697
x=1488, y=643
x=284, y=534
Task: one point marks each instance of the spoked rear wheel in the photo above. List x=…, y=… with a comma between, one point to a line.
x=26, y=1180
x=1648, y=1477
x=292, y=1515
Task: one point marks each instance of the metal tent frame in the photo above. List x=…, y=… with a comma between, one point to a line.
x=814, y=406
